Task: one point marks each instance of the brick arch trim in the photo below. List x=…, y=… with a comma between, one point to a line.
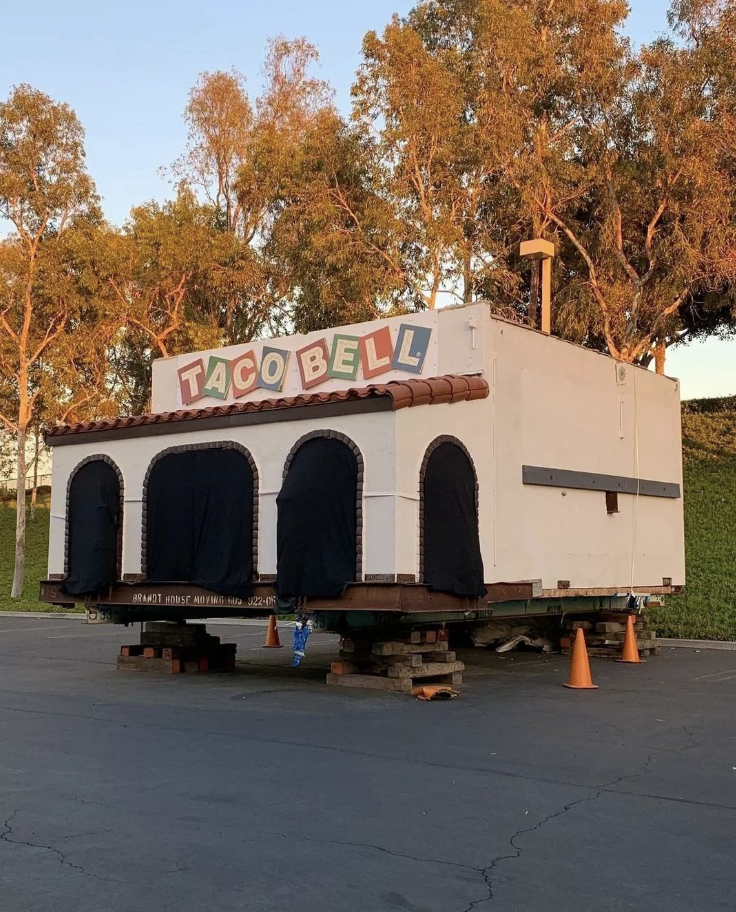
x=97, y=457
x=437, y=442
x=355, y=450
x=185, y=448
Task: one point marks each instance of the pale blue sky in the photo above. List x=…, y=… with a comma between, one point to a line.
x=127, y=68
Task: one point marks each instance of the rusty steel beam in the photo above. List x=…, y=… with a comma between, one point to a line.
x=401, y=598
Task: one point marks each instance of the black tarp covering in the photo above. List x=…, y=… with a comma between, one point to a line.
x=199, y=521
x=317, y=521
x=94, y=515
x=452, y=558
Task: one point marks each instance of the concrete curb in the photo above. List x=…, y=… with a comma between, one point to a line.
x=725, y=645
x=51, y=615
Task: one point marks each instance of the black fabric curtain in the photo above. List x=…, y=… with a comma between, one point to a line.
x=92, y=523
x=452, y=558
x=317, y=521
x=199, y=521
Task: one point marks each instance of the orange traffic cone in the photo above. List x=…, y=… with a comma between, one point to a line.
x=631, y=651
x=272, y=636
x=580, y=678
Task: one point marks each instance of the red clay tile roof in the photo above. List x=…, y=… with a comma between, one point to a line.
x=403, y=394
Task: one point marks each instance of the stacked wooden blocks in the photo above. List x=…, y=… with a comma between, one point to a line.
x=396, y=664
x=604, y=635
x=177, y=648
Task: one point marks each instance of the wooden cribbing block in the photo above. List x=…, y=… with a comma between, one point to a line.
x=371, y=682
x=174, y=640
x=451, y=680
x=610, y=627
x=449, y=656
x=425, y=671
x=140, y=663
x=395, y=648
x=431, y=636
x=607, y=652
x=191, y=667
x=408, y=659
x=615, y=640
x=151, y=652
x=574, y=625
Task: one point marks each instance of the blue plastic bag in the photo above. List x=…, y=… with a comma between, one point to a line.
x=302, y=629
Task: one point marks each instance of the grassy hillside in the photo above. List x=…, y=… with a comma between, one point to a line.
x=36, y=553
x=707, y=610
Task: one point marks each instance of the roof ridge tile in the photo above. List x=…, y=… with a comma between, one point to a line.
x=404, y=393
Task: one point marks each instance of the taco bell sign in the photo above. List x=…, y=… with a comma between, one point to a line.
x=342, y=356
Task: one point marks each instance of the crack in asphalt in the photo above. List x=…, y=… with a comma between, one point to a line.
x=486, y=872
x=373, y=755
x=646, y=764
x=377, y=848
x=61, y=857
x=599, y=791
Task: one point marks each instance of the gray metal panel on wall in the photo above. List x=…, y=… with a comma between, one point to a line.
x=595, y=481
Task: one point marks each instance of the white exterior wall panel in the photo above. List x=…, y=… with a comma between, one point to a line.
x=560, y=406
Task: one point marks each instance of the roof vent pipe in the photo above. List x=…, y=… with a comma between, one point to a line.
x=542, y=253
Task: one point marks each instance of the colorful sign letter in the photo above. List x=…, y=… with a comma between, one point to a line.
x=312, y=362
x=244, y=372
x=191, y=381
x=376, y=350
x=273, y=368
x=411, y=348
x=345, y=357
x=218, y=378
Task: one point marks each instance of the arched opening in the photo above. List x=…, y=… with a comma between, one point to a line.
x=317, y=533
x=199, y=517
x=450, y=538
x=94, y=523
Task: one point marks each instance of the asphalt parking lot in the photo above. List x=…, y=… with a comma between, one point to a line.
x=267, y=791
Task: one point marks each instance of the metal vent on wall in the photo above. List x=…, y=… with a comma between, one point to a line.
x=622, y=374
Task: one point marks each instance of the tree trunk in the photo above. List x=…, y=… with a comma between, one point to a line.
x=432, y=302
x=20, y=517
x=534, y=293
x=659, y=355
x=467, y=279
x=34, y=493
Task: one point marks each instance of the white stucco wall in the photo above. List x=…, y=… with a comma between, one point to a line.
x=269, y=444
x=560, y=406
